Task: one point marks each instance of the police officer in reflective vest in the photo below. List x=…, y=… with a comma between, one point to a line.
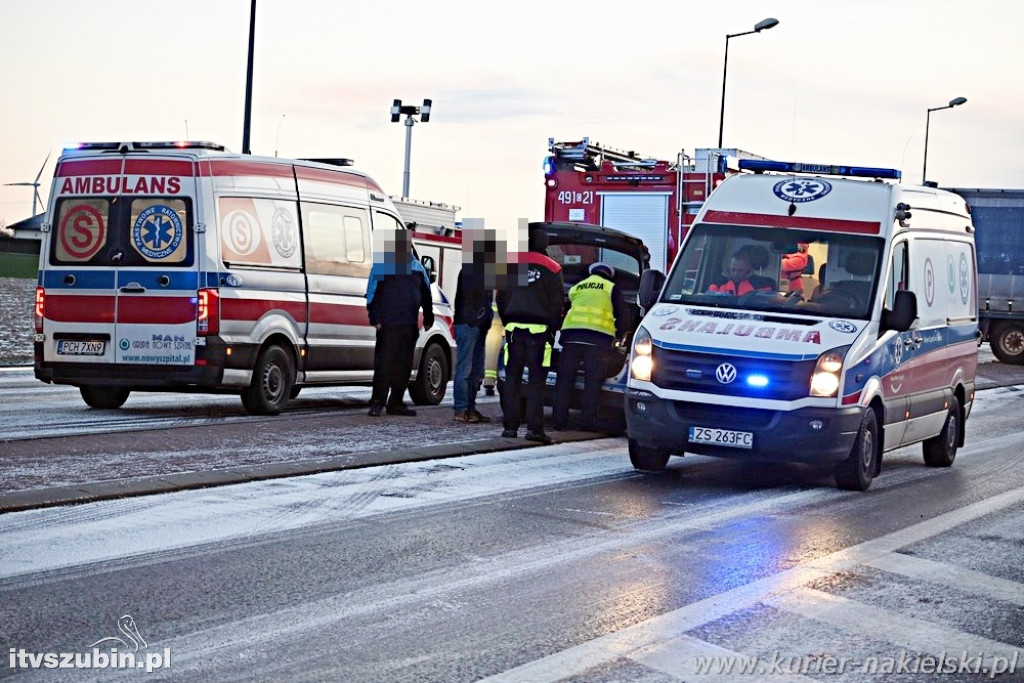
x=590, y=328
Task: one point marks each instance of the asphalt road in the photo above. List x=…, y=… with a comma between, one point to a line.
x=544, y=564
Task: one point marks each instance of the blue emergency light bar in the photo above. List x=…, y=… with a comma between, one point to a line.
x=762, y=165
x=131, y=146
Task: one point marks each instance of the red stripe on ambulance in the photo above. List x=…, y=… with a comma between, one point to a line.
x=156, y=310
x=254, y=309
x=769, y=220
x=70, y=308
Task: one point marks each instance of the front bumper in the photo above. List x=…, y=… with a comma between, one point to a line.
x=786, y=436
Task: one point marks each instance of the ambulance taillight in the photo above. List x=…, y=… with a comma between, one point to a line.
x=40, y=308
x=208, y=319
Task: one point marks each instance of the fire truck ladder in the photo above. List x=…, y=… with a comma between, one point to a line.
x=590, y=155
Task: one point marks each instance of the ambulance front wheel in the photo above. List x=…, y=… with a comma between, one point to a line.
x=271, y=384
x=432, y=377
x=1007, y=342
x=940, y=450
x=857, y=471
x=647, y=458
x=104, y=397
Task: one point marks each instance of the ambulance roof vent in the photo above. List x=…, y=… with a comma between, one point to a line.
x=762, y=165
x=332, y=161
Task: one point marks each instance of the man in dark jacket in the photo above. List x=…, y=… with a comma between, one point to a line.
x=531, y=308
x=593, y=323
x=473, y=316
x=398, y=288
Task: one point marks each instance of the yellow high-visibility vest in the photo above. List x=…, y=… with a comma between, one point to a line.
x=591, y=306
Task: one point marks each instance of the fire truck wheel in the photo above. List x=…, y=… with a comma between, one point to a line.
x=857, y=471
x=1007, y=341
x=272, y=381
x=104, y=397
x=940, y=451
x=432, y=377
x=647, y=458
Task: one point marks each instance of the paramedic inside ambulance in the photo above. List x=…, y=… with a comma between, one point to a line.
x=794, y=265
x=740, y=281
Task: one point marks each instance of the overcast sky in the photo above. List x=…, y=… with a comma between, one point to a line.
x=837, y=81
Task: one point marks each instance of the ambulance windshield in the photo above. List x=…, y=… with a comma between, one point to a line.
x=777, y=270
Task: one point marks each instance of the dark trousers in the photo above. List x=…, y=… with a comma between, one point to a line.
x=525, y=350
x=591, y=356
x=392, y=362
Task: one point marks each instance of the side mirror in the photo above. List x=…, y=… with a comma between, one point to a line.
x=651, y=282
x=903, y=313
x=430, y=266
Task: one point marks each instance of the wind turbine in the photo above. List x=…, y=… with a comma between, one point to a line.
x=35, y=186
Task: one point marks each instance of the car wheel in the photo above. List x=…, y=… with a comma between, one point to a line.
x=104, y=397
x=857, y=471
x=432, y=377
x=940, y=450
x=646, y=457
x=1008, y=343
x=272, y=382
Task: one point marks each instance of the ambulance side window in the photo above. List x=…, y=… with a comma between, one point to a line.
x=899, y=274
x=336, y=240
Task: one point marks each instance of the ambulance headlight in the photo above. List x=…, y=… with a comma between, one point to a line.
x=828, y=372
x=642, y=364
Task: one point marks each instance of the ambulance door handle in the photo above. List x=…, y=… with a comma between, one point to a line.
x=133, y=288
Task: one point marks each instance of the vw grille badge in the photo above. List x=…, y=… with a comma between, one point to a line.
x=725, y=373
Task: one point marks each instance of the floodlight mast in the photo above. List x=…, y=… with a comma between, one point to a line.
x=397, y=110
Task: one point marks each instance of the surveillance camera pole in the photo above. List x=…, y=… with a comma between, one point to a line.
x=397, y=109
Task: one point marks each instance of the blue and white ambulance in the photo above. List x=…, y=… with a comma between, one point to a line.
x=874, y=351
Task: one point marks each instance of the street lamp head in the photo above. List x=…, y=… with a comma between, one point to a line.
x=956, y=101
x=765, y=24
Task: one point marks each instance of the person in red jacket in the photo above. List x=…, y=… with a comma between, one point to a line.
x=793, y=267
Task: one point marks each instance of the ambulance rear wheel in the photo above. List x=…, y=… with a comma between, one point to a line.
x=432, y=377
x=857, y=471
x=272, y=381
x=1007, y=342
x=104, y=397
x=940, y=451
x=647, y=458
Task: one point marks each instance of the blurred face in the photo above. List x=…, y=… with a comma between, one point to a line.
x=739, y=269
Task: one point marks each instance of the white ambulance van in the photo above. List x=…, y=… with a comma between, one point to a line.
x=878, y=351
x=180, y=266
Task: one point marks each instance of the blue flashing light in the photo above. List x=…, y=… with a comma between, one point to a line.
x=758, y=381
x=549, y=165
x=763, y=165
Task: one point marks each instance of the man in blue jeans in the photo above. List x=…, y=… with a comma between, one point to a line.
x=473, y=315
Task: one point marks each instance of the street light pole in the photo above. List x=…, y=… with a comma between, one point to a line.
x=248, y=81
x=762, y=25
x=397, y=109
x=955, y=102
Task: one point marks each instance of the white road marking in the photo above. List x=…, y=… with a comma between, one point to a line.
x=916, y=635
x=951, y=575
x=631, y=640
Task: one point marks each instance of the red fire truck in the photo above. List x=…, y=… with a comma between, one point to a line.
x=655, y=200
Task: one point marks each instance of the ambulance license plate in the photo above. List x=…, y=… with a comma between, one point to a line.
x=721, y=437
x=80, y=347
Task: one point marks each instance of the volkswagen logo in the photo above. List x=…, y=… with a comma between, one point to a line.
x=725, y=373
